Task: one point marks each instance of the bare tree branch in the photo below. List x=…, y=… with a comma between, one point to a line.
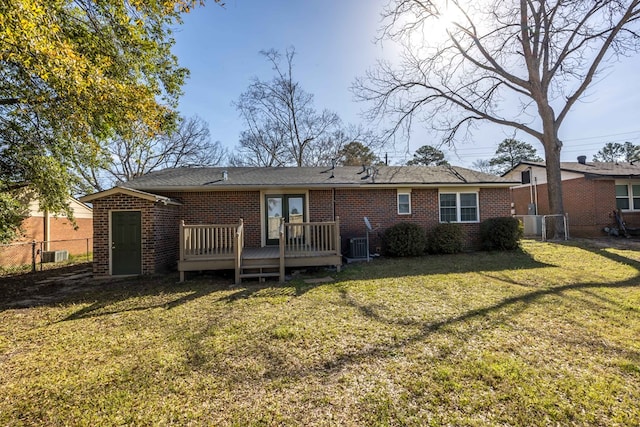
x=539, y=55
x=282, y=125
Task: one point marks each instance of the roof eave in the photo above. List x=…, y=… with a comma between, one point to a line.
x=369, y=185
x=141, y=194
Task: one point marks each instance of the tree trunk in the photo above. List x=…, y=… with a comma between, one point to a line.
x=552, y=147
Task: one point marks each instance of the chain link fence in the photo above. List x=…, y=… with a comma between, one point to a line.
x=25, y=257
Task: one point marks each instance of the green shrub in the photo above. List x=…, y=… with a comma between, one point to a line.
x=404, y=239
x=501, y=233
x=446, y=238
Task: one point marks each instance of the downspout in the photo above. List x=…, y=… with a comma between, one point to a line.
x=530, y=185
x=47, y=230
x=535, y=180
x=333, y=201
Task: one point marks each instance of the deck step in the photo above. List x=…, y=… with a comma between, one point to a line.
x=245, y=266
x=258, y=275
x=259, y=269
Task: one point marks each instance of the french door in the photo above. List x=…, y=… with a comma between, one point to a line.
x=291, y=207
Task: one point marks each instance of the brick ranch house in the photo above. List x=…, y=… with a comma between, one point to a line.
x=203, y=217
x=591, y=192
x=53, y=232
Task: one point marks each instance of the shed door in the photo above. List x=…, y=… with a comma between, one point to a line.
x=126, y=243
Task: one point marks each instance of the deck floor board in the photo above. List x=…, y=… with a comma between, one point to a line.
x=266, y=252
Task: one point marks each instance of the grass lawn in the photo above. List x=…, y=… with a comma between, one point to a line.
x=549, y=335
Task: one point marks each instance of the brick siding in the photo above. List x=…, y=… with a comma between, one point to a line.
x=166, y=242
x=101, y=238
x=321, y=205
x=222, y=207
x=380, y=207
x=73, y=240
x=589, y=204
x=160, y=223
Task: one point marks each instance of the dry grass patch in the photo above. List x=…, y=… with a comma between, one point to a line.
x=546, y=335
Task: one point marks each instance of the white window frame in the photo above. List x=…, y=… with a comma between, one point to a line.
x=458, y=206
x=630, y=195
x=404, y=193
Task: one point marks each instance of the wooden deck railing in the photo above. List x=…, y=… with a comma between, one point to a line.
x=310, y=237
x=208, y=241
x=217, y=245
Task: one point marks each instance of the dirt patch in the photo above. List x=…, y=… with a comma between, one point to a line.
x=26, y=285
x=76, y=284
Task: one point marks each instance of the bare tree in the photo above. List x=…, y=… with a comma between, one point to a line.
x=335, y=145
x=541, y=56
x=259, y=147
x=127, y=157
x=484, y=165
x=282, y=125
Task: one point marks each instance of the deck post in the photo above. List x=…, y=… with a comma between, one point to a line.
x=338, y=241
x=282, y=244
x=182, y=247
x=238, y=241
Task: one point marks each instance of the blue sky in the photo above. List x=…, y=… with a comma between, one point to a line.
x=335, y=43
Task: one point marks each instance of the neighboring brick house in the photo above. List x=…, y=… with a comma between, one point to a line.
x=55, y=231
x=157, y=202
x=591, y=192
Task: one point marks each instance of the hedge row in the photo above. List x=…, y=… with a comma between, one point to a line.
x=408, y=239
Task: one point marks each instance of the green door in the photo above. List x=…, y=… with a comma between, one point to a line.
x=289, y=206
x=126, y=243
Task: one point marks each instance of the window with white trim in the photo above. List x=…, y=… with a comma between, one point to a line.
x=459, y=207
x=628, y=196
x=404, y=203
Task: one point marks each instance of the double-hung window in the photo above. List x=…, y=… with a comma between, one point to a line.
x=404, y=202
x=458, y=207
x=628, y=196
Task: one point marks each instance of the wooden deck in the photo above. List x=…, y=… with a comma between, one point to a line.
x=267, y=252
x=221, y=247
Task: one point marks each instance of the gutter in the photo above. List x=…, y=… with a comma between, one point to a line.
x=370, y=186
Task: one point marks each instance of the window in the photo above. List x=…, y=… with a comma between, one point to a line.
x=404, y=203
x=448, y=209
x=622, y=197
x=628, y=196
x=458, y=207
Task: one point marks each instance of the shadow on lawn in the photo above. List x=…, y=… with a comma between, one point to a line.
x=492, y=315
x=501, y=312
x=509, y=307
x=111, y=302
x=441, y=264
x=110, y=297
x=152, y=292
x=160, y=293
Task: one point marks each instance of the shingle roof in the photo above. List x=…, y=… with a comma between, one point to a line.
x=605, y=169
x=347, y=176
x=131, y=192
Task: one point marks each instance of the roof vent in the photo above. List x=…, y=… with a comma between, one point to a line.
x=582, y=160
x=225, y=175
